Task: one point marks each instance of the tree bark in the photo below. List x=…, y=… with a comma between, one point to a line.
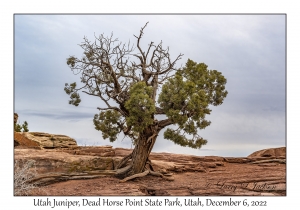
x=139, y=155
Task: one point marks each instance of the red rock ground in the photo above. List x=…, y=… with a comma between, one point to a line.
x=197, y=176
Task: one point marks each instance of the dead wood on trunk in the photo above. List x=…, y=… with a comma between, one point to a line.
x=137, y=164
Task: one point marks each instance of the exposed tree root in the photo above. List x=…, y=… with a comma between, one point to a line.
x=124, y=161
x=125, y=166
x=50, y=178
x=145, y=173
x=135, y=176
x=121, y=171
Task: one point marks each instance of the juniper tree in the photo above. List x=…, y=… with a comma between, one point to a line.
x=136, y=87
x=21, y=128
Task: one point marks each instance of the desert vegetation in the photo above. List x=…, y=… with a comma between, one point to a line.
x=144, y=92
x=24, y=172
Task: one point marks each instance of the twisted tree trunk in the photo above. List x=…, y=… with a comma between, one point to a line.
x=138, y=160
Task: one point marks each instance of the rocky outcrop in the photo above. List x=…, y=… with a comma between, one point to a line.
x=16, y=143
x=73, y=160
x=272, y=152
x=51, y=161
x=101, y=151
x=21, y=140
x=56, y=165
x=15, y=118
x=193, y=175
x=50, y=141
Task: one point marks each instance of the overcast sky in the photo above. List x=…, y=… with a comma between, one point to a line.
x=249, y=50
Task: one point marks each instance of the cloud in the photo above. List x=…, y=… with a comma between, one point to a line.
x=57, y=114
x=249, y=50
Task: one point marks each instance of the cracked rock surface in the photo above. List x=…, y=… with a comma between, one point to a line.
x=262, y=173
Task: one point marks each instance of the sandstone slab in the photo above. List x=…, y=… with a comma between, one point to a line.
x=51, y=141
x=21, y=140
x=51, y=161
x=272, y=152
x=193, y=175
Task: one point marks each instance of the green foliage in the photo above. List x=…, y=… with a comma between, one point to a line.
x=108, y=123
x=21, y=128
x=185, y=99
x=71, y=61
x=18, y=128
x=181, y=140
x=25, y=127
x=127, y=88
x=212, y=81
x=74, y=96
x=140, y=106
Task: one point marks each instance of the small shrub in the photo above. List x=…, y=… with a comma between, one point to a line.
x=25, y=127
x=23, y=173
x=21, y=128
